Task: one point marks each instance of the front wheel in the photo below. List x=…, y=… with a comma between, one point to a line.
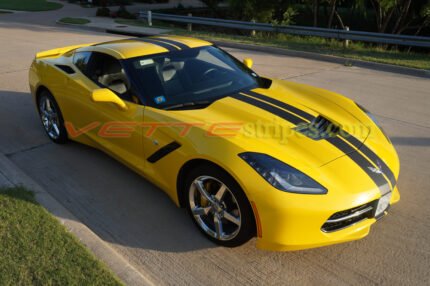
x=51, y=117
x=219, y=207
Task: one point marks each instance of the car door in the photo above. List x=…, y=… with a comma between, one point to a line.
x=115, y=130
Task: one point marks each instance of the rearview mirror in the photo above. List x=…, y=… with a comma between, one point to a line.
x=248, y=62
x=106, y=95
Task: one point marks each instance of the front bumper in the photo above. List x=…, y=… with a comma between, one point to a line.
x=297, y=225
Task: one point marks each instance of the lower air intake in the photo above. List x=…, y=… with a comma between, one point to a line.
x=349, y=217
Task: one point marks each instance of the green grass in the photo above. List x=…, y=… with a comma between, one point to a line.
x=77, y=21
x=356, y=50
x=29, y=5
x=35, y=249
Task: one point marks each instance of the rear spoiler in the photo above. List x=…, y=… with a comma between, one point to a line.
x=59, y=51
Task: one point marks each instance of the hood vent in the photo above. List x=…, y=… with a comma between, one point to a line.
x=319, y=128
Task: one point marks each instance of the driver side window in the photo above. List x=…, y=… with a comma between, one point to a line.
x=104, y=70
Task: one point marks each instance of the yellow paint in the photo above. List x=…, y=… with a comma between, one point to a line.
x=106, y=95
x=248, y=62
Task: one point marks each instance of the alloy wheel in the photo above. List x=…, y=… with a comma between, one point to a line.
x=215, y=208
x=49, y=116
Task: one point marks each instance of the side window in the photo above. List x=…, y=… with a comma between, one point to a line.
x=106, y=71
x=80, y=60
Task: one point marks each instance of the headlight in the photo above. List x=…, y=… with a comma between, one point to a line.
x=371, y=116
x=281, y=175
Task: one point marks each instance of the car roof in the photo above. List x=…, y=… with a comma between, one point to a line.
x=137, y=47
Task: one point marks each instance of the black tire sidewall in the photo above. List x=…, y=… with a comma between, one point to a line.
x=247, y=230
x=62, y=138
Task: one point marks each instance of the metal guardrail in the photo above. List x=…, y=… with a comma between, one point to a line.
x=415, y=41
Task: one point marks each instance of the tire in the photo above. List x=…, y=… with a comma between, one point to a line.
x=51, y=117
x=221, y=211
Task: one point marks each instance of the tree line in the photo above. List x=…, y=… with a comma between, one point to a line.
x=384, y=16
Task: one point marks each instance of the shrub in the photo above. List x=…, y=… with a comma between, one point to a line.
x=103, y=12
x=123, y=13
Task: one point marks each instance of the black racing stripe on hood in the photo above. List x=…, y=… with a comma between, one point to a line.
x=270, y=108
x=281, y=104
x=362, y=162
x=348, y=137
x=380, y=181
x=172, y=42
x=373, y=157
x=167, y=46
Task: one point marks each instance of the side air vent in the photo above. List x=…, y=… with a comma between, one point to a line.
x=319, y=128
x=66, y=69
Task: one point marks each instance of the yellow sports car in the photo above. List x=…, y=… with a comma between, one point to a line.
x=248, y=156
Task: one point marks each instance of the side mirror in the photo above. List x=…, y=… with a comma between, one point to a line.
x=106, y=95
x=248, y=62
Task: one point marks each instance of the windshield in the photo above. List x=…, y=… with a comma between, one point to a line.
x=189, y=78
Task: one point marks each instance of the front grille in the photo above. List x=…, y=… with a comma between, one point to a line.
x=319, y=128
x=349, y=217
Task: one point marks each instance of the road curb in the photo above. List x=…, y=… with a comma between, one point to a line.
x=285, y=52
x=121, y=267
x=327, y=58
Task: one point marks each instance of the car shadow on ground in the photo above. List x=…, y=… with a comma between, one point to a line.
x=117, y=204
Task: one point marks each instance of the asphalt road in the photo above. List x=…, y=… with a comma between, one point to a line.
x=141, y=223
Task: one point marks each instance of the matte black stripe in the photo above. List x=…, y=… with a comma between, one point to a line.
x=348, y=137
x=281, y=104
x=340, y=144
x=176, y=43
x=170, y=48
x=163, y=151
x=362, y=162
x=270, y=108
x=372, y=156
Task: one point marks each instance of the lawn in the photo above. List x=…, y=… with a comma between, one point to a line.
x=76, y=21
x=37, y=250
x=29, y=5
x=356, y=50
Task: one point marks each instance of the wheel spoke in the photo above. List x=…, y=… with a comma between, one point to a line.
x=57, y=131
x=201, y=210
x=232, y=218
x=48, y=104
x=220, y=193
x=202, y=190
x=218, y=226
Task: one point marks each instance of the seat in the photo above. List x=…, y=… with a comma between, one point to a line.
x=171, y=79
x=113, y=77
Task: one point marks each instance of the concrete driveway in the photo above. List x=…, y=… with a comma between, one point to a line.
x=141, y=223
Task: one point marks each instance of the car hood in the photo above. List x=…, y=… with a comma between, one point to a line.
x=263, y=125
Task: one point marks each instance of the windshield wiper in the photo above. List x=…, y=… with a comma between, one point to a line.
x=195, y=104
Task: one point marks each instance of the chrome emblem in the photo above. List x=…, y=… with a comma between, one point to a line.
x=376, y=170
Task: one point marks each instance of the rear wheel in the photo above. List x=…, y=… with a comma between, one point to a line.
x=51, y=117
x=219, y=207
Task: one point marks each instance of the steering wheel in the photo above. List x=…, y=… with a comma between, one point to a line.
x=208, y=72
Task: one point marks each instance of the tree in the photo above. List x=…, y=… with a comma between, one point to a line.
x=212, y=5
x=260, y=11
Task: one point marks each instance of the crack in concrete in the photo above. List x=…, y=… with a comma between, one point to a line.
x=26, y=149
x=402, y=121
x=7, y=72
x=312, y=73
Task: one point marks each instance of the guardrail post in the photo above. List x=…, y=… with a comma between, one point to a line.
x=346, y=42
x=253, y=33
x=150, y=18
x=189, y=25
